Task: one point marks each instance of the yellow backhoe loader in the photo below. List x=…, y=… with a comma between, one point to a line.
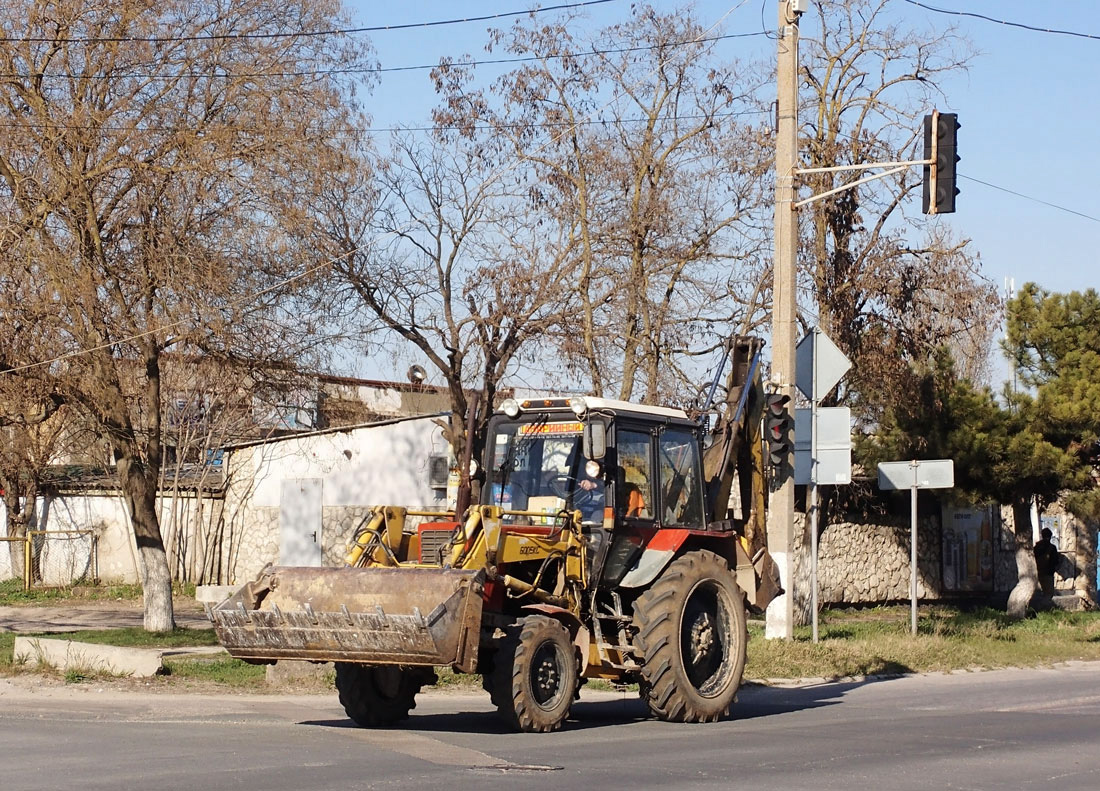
x=603, y=546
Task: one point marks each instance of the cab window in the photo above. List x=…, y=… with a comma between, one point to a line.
x=634, y=492
x=537, y=466
x=680, y=478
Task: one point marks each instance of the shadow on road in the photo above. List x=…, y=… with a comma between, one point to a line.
x=754, y=701
x=585, y=715
x=763, y=701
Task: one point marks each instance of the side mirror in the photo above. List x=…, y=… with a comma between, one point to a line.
x=595, y=440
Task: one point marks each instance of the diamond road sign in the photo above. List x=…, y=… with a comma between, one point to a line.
x=819, y=365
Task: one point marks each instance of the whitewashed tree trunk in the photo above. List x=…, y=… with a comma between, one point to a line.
x=1027, y=576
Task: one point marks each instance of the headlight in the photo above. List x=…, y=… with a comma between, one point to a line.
x=510, y=407
x=578, y=405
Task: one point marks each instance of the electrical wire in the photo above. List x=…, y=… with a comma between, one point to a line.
x=1013, y=192
x=353, y=131
x=381, y=70
x=1020, y=25
x=1030, y=198
x=295, y=33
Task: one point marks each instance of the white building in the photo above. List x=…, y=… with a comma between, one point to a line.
x=293, y=500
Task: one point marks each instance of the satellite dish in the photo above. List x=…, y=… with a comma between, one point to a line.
x=417, y=374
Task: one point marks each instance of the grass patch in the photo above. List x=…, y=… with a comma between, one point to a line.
x=12, y=593
x=7, y=652
x=457, y=682
x=877, y=641
x=135, y=637
x=221, y=671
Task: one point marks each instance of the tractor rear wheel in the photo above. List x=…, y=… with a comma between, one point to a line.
x=691, y=637
x=534, y=675
x=379, y=695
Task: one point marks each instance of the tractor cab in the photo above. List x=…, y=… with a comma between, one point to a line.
x=606, y=459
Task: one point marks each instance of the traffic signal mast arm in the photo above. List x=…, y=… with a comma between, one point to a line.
x=896, y=167
x=940, y=146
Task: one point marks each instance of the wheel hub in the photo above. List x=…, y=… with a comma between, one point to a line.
x=702, y=638
x=546, y=676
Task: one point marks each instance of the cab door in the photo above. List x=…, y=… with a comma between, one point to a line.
x=633, y=500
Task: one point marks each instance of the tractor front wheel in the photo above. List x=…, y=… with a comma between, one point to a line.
x=381, y=695
x=691, y=637
x=534, y=675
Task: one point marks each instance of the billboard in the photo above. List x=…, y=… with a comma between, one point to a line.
x=967, y=548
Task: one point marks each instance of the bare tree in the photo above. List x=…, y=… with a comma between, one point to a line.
x=431, y=253
x=637, y=154
x=31, y=432
x=149, y=152
x=208, y=404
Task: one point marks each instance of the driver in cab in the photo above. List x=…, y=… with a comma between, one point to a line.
x=589, y=497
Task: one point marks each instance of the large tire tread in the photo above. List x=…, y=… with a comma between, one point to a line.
x=510, y=682
x=379, y=696
x=665, y=685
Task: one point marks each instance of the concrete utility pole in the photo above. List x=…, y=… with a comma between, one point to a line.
x=780, y=525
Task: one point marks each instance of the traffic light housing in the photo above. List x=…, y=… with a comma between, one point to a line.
x=941, y=132
x=778, y=430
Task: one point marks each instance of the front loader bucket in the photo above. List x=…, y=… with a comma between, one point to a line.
x=373, y=616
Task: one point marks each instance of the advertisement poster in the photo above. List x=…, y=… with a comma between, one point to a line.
x=967, y=549
x=1054, y=523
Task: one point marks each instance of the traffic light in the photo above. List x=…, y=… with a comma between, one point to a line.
x=941, y=132
x=778, y=430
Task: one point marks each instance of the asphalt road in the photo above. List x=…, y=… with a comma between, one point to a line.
x=1017, y=729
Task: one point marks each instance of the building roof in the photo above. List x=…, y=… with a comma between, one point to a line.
x=331, y=430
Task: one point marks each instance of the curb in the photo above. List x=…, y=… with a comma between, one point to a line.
x=214, y=594
x=69, y=655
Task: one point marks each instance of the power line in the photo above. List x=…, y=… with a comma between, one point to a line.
x=389, y=69
x=353, y=130
x=297, y=33
x=1030, y=198
x=1020, y=25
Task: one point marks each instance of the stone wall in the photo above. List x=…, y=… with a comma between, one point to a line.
x=864, y=563
x=256, y=543
x=867, y=563
x=338, y=525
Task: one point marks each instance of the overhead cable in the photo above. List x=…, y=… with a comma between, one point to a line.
x=295, y=33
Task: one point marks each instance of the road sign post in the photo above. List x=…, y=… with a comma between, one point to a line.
x=914, y=475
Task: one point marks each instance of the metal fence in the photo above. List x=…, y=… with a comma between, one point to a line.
x=56, y=558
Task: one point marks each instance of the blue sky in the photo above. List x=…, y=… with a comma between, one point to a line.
x=1029, y=109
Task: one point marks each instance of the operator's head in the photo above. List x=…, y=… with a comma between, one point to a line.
x=1046, y=533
